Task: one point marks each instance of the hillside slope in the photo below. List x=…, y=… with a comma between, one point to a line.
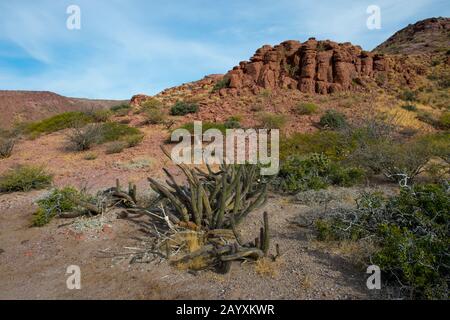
x=22, y=106
x=427, y=36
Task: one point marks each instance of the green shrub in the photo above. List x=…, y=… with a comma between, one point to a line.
x=59, y=122
x=410, y=231
x=90, y=156
x=25, y=178
x=221, y=84
x=271, y=121
x=121, y=108
x=397, y=161
x=409, y=107
x=115, y=147
x=305, y=108
x=56, y=203
x=205, y=127
x=233, y=123
x=113, y=131
x=182, y=108
x=6, y=147
x=331, y=143
x=155, y=116
x=444, y=120
x=100, y=115
x=81, y=139
x=151, y=104
x=333, y=120
x=408, y=95
x=134, y=140
x=314, y=171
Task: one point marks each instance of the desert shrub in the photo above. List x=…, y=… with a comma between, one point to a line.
x=151, y=103
x=59, y=122
x=6, y=147
x=409, y=107
x=90, y=156
x=314, y=171
x=100, y=115
x=305, y=108
x=333, y=120
x=115, y=147
x=113, y=131
x=82, y=138
x=444, y=121
x=25, y=178
x=411, y=235
x=133, y=140
x=331, y=143
x=182, y=108
x=269, y=120
x=221, y=84
x=155, y=115
x=399, y=162
x=121, y=108
x=57, y=202
x=233, y=123
x=205, y=127
x=408, y=95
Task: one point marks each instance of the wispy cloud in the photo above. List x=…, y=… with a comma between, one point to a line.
x=126, y=47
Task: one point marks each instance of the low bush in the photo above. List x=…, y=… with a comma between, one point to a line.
x=314, y=171
x=305, y=108
x=409, y=107
x=397, y=161
x=100, y=115
x=121, y=109
x=133, y=140
x=155, y=116
x=6, y=147
x=59, y=122
x=233, y=123
x=333, y=120
x=444, y=121
x=81, y=139
x=25, y=178
x=182, y=108
x=271, y=121
x=113, y=131
x=115, y=147
x=221, y=84
x=411, y=236
x=56, y=203
x=408, y=95
x=90, y=156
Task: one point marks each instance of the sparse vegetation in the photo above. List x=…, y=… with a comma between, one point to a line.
x=182, y=108
x=56, y=203
x=221, y=84
x=271, y=121
x=25, y=178
x=6, y=147
x=411, y=235
x=115, y=147
x=121, y=109
x=305, y=108
x=233, y=123
x=333, y=119
x=113, y=131
x=59, y=122
x=82, y=139
x=409, y=107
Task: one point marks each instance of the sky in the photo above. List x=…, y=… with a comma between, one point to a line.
x=125, y=47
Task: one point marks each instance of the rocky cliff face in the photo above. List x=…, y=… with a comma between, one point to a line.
x=311, y=67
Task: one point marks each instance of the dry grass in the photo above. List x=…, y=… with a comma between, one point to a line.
x=267, y=267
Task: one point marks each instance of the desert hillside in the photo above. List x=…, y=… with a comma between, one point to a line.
x=25, y=106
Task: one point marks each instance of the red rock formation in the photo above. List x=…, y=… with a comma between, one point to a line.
x=311, y=67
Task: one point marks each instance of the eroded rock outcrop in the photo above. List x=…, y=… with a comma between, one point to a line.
x=311, y=67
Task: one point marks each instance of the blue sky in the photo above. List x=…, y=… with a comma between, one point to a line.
x=126, y=47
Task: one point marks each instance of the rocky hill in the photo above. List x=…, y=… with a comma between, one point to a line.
x=426, y=36
x=20, y=106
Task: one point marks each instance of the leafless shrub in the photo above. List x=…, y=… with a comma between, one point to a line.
x=6, y=147
x=82, y=138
